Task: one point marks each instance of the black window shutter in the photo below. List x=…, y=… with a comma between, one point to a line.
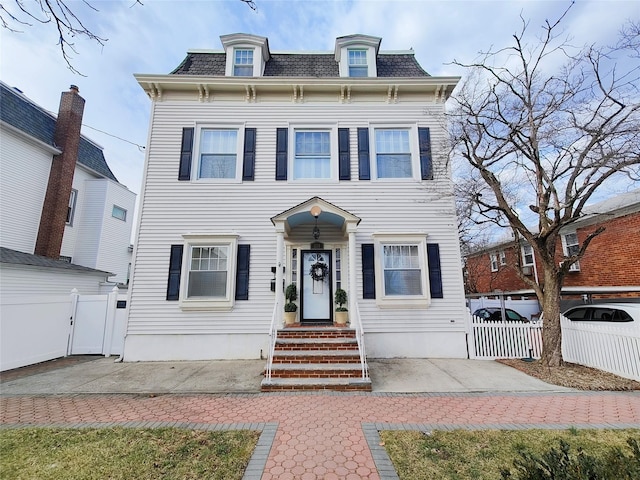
x=186, y=150
x=249, y=161
x=435, y=272
x=424, y=140
x=364, y=169
x=344, y=160
x=281, y=153
x=175, y=267
x=242, y=273
x=368, y=271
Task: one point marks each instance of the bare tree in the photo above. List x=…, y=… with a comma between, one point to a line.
x=545, y=125
x=67, y=23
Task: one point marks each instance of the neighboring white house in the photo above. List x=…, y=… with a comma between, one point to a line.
x=78, y=207
x=262, y=162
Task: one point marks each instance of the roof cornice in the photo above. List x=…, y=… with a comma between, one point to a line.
x=204, y=86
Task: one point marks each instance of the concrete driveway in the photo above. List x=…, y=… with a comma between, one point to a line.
x=104, y=375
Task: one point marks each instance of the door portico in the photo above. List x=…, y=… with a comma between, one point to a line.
x=315, y=235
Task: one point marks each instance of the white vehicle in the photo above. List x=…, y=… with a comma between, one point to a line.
x=622, y=314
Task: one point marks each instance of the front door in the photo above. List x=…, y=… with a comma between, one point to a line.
x=316, y=287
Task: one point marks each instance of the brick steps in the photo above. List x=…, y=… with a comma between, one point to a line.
x=298, y=384
x=316, y=358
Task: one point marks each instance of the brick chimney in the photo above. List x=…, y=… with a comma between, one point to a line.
x=56, y=200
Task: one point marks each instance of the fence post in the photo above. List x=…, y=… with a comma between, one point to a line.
x=72, y=318
x=110, y=319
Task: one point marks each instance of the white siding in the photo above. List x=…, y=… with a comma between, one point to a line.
x=171, y=208
x=80, y=220
x=113, y=254
x=24, y=174
x=19, y=280
x=96, y=239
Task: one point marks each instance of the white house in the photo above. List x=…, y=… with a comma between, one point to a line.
x=263, y=164
x=59, y=197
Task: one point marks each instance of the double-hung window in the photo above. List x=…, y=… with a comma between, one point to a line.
x=401, y=270
x=493, y=258
x=527, y=255
x=571, y=246
x=243, y=62
x=312, y=157
x=218, y=154
x=209, y=271
x=393, y=153
x=358, y=63
x=71, y=209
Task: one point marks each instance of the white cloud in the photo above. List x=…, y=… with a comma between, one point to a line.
x=154, y=38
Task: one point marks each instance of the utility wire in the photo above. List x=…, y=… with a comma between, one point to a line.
x=140, y=147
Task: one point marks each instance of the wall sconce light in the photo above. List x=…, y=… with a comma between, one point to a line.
x=316, y=211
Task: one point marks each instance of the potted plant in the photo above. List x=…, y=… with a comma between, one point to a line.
x=342, y=314
x=290, y=308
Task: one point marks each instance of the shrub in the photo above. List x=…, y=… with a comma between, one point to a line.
x=291, y=294
x=561, y=464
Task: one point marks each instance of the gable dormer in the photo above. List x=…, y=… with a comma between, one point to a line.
x=246, y=54
x=356, y=55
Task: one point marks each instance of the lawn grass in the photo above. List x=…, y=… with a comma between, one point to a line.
x=482, y=454
x=122, y=453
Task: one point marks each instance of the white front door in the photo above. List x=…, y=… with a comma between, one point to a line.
x=316, y=289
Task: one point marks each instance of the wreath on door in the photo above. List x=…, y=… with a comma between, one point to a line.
x=319, y=271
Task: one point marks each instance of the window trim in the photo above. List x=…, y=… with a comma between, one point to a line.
x=253, y=61
x=71, y=212
x=202, y=240
x=123, y=210
x=502, y=257
x=401, y=301
x=524, y=254
x=195, y=167
x=413, y=151
x=493, y=261
x=333, y=152
x=575, y=266
x=364, y=67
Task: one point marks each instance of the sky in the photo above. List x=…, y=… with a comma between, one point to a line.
x=153, y=38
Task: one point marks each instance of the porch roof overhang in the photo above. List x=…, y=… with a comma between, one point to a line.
x=329, y=214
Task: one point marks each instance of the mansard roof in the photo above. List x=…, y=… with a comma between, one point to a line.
x=310, y=65
x=24, y=115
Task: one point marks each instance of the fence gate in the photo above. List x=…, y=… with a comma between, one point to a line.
x=97, y=324
x=491, y=340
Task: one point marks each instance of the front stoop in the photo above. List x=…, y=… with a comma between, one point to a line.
x=316, y=358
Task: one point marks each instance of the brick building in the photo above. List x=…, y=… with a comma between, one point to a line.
x=610, y=267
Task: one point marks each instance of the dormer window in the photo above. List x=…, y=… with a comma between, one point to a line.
x=243, y=62
x=358, y=62
x=246, y=55
x=356, y=55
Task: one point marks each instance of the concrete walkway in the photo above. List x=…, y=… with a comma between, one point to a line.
x=306, y=436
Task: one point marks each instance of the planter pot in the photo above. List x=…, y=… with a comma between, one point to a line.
x=342, y=318
x=290, y=318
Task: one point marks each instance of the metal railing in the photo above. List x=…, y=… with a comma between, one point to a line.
x=273, y=336
x=356, y=324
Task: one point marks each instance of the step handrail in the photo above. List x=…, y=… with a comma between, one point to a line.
x=273, y=336
x=356, y=324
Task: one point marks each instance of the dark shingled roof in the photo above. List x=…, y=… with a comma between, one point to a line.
x=26, y=116
x=20, y=258
x=313, y=65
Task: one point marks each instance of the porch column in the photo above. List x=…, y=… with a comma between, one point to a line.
x=351, y=229
x=279, y=272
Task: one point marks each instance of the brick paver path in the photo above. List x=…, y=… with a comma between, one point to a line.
x=320, y=436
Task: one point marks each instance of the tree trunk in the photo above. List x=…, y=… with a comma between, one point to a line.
x=551, y=332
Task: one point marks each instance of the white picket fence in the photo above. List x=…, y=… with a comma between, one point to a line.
x=609, y=347
x=491, y=340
